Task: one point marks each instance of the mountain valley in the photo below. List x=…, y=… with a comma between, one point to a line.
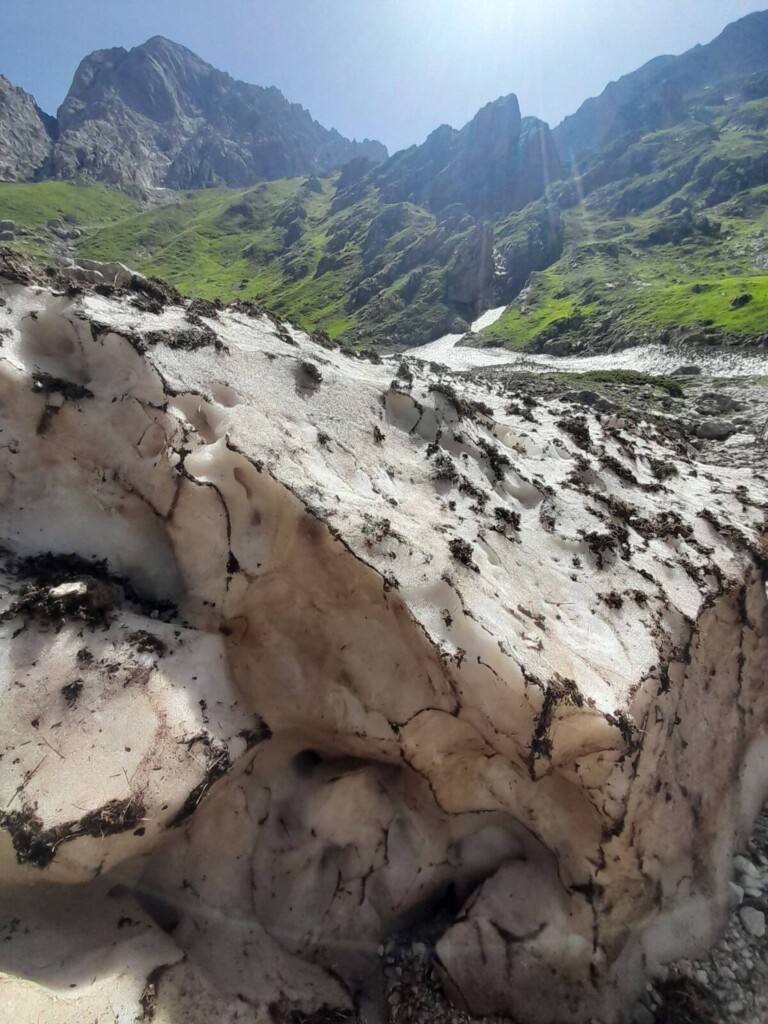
x=652, y=228
x=384, y=559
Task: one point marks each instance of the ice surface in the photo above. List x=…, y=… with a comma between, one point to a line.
x=644, y=358
x=357, y=635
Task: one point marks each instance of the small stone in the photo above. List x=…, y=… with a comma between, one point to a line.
x=736, y=1007
x=642, y=1015
x=735, y=894
x=702, y=977
x=753, y=893
x=68, y=591
x=753, y=921
x=744, y=866
x=688, y=370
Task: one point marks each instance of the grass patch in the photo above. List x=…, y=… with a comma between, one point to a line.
x=619, y=378
x=88, y=206
x=89, y=203
x=608, y=274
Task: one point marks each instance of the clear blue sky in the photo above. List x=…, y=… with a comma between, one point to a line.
x=388, y=69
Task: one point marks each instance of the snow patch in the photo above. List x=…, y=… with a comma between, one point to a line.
x=242, y=596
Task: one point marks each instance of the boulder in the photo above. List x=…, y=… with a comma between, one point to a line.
x=591, y=398
x=718, y=403
x=688, y=370
x=716, y=430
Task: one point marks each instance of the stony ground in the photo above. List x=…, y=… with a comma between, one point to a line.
x=729, y=985
x=719, y=420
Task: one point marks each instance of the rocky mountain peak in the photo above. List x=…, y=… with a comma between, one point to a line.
x=496, y=122
x=159, y=115
x=751, y=29
x=159, y=80
x=498, y=162
x=163, y=46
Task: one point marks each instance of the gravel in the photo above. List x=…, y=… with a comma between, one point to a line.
x=729, y=985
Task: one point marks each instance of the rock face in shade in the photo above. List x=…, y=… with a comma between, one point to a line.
x=497, y=163
x=25, y=142
x=158, y=115
x=275, y=687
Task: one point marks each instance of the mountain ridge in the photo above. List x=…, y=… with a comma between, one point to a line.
x=158, y=115
x=657, y=230
x=26, y=135
x=740, y=49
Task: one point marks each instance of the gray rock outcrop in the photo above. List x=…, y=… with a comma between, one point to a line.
x=716, y=430
x=25, y=142
x=159, y=115
x=498, y=162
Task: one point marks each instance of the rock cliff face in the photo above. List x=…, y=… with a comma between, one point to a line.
x=497, y=163
x=25, y=142
x=433, y=253
x=277, y=688
x=159, y=115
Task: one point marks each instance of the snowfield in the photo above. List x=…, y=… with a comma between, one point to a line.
x=657, y=359
x=300, y=649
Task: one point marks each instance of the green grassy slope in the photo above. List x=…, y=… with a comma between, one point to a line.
x=228, y=243
x=660, y=230
x=214, y=242
x=280, y=242
x=608, y=273
x=86, y=206
x=664, y=232
x=368, y=268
